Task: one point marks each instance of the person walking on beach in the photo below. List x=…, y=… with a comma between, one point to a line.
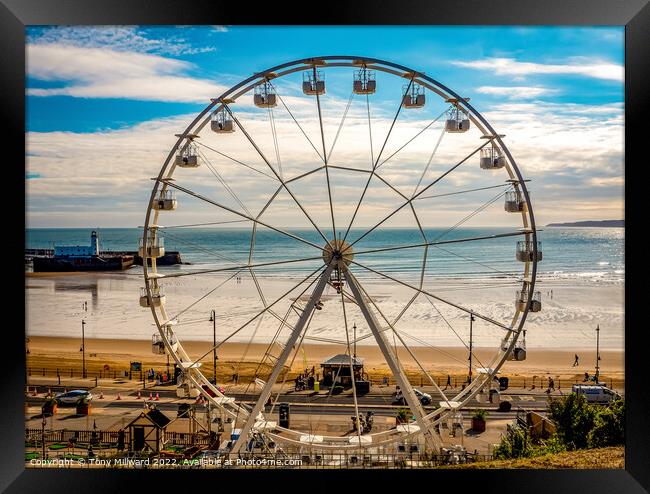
x=575, y=362
x=448, y=385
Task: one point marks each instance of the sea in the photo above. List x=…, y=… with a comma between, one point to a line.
x=569, y=253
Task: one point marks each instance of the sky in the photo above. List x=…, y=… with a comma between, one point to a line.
x=103, y=105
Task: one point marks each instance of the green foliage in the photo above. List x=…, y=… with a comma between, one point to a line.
x=403, y=414
x=552, y=445
x=516, y=443
x=609, y=426
x=480, y=414
x=579, y=425
x=574, y=418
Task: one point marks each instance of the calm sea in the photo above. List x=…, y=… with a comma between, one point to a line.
x=591, y=254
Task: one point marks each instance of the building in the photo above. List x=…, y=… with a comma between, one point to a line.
x=336, y=370
x=147, y=431
x=79, y=250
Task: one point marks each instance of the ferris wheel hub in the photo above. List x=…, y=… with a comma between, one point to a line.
x=340, y=251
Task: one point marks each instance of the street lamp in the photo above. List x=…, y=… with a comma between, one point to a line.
x=597, y=352
x=471, y=320
x=83, y=349
x=213, y=320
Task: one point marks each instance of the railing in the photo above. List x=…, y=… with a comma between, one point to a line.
x=457, y=382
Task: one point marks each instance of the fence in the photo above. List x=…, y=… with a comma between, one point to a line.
x=536, y=382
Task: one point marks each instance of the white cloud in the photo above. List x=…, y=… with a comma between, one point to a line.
x=516, y=92
x=104, y=73
x=117, y=38
x=575, y=66
x=572, y=153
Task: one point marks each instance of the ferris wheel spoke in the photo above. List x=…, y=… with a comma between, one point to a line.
x=250, y=167
x=243, y=266
x=210, y=292
x=250, y=218
x=336, y=137
x=397, y=333
x=412, y=287
x=389, y=185
x=322, y=158
x=440, y=242
x=462, y=341
x=259, y=151
x=412, y=139
x=374, y=164
x=433, y=153
x=352, y=357
x=327, y=173
x=466, y=191
x=263, y=311
x=391, y=357
x=415, y=196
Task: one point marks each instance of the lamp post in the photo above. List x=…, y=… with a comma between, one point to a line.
x=213, y=320
x=355, y=340
x=471, y=320
x=83, y=349
x=597, y=352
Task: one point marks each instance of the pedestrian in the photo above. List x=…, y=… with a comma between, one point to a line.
x=575, y=362
x=551, y=294
x=586, y=377
x=448, y=385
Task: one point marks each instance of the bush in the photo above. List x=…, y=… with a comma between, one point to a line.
x=480, y=414
x=516, y=443
x=609, y=426
x=574, y=418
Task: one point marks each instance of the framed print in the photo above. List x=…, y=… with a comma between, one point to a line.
x=389, y=242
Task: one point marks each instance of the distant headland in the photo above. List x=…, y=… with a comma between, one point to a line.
x=597, y=224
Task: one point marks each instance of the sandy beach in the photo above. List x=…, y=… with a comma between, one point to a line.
x=63, y=353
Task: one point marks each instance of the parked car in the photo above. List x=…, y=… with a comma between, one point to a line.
x=73, y=397
x=596, y=394
x=424, y=398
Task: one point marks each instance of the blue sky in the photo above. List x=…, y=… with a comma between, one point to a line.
x=102, y=103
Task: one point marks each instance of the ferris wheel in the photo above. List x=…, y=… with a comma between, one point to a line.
x=318, y=159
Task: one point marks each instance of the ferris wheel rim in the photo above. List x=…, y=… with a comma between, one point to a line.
x=376, y=64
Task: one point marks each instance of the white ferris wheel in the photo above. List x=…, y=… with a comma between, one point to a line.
x=352, y=169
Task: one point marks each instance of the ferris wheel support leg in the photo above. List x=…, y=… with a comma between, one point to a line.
x=279, y=365
x=431, y=436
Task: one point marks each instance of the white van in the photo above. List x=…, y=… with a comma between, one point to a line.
x=595, y=394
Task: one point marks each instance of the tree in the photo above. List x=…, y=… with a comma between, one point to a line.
x=609, y=426
x=574, y=418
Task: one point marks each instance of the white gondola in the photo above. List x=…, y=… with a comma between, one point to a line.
x=189, y=157
x=457, y=120
x=526, y=251
x=515, y=202
x=413, y=97
x=155, y=246
x=522, y=300
x=491, y=158
x=518, y=352
x=364, y=82
x=157, y=297
x=222, y=123
x=265, y=96
x=158, y=345
x=313, y=85
x=165, y=201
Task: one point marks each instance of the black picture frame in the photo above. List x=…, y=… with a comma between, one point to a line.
x=633, y=14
